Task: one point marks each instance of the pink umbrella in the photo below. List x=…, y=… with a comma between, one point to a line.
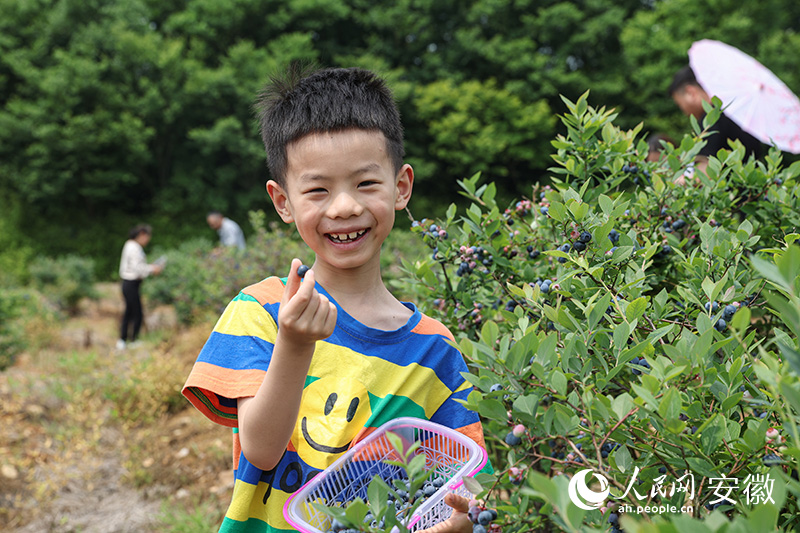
x=759, y=102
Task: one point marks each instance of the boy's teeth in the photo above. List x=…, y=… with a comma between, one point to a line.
x=346, y=236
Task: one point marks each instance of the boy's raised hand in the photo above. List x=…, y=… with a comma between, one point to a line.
x=305, y=315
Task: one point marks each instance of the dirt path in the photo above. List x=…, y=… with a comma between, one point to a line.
x=94, y=440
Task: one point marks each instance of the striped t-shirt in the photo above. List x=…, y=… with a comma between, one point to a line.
x=359, y=378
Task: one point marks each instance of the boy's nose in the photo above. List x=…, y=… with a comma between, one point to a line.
x=344, y=206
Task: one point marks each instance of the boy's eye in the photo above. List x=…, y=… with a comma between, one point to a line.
x=317, y=190
x=367, y=183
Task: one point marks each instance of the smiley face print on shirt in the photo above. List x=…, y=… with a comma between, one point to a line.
x=332, y=412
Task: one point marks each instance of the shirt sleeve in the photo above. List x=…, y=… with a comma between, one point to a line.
x=133, y=264
x=233, y=361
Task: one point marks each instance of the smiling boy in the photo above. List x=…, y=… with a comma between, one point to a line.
x=303, y=369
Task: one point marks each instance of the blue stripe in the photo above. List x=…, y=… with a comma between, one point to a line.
x=453, y=414
x=251, y=352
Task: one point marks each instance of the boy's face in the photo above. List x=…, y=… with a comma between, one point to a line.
x=341, y=191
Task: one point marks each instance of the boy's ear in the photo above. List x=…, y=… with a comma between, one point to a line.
x=404, y=183
x=280, y=200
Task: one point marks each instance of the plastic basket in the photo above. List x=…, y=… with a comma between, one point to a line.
x=451, y=454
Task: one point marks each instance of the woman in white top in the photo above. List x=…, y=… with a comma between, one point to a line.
x=133, y=268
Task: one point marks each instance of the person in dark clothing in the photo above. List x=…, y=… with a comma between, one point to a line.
x=689, y=97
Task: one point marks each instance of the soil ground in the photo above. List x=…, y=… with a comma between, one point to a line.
x=97, y=440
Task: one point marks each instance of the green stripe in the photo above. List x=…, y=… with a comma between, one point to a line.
x=242, y=297
x=210, y=406
x=391, y=407
x=310, y=380
x=253, y=525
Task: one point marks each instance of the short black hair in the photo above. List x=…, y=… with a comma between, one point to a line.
x=682, y=79
x=213, y=213
x=305, y=100
x=138, y=229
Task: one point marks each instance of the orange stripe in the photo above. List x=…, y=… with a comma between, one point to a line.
x=268, y=291
x=225, y=381
x=429, y=326
x=475, y=432
x=237, y=449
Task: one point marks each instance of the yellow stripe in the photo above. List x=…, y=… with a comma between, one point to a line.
x=246, y=318
x=247, y=502
x=464, y=386
x=416, y=382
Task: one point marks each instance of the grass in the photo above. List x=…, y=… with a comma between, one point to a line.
x=198, y=517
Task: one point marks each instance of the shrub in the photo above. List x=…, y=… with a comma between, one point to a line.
x=11, y=334
x=636, y=328
x=25, y=322
x=64, y=280
x=151, y=389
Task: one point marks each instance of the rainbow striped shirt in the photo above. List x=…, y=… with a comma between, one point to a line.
x=359, y=378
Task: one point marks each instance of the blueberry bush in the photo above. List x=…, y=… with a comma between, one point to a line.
x=64, y=280
x=621, y=325
x=27, y=317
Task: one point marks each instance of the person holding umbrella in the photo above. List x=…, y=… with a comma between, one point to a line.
x=689, y=97
x=759, y=109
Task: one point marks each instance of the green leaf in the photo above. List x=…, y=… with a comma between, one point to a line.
x=489, y=333
x=671, y=405
x=741, y=320
x=356, y=511
x=566, y=420
x=752, y=439
x=623, y=458
x=712, y=435
x=636, y=308
x=621, y=333
x=763, y=517
x=708, y=288
x=606, y=204
x=622, y=405
x=645, y=395
x=559, y=382
x=546, y=355
x=598, y=310
x=558, y=212
x=700, y=466
x=377, y=492
x=525, y=407
x=493, y=409
x=472, y=485
x=731, y=401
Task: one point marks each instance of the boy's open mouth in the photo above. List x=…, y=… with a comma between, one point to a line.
x=343, y=238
